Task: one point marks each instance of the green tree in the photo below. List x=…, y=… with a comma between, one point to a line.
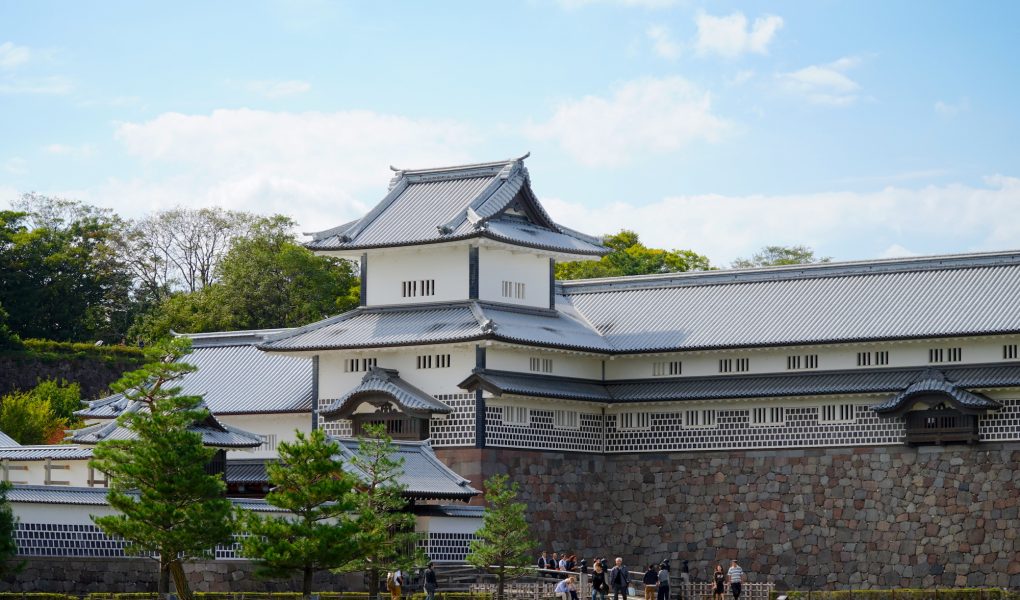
x=631, y=257
x=8, y=523
x=29, y=419
x=8, y=339
x=503, y=545
x=168, y=504
x=386, y=528
x=62, y=277
x=63, y=397
x=311, y=484
x=772, y=256
x=265, y=280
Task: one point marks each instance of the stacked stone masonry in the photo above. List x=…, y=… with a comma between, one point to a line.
x=869, y=517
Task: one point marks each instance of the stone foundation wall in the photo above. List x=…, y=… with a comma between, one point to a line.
x=84, y=575
x=862, y=517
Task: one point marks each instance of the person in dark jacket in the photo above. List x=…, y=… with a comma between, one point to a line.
x=663, y=589
x=619, y=579
x=650, y=580
x=431, y=585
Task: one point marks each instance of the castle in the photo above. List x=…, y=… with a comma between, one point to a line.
x=860, y=413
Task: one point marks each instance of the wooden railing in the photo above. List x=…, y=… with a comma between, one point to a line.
x=541, y=586
x=941, y=427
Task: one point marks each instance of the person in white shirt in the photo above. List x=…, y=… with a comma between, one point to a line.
x=735, y=576
x=564, y=587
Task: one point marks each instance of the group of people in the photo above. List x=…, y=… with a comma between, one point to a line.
x=395, y=582
x=616, y=580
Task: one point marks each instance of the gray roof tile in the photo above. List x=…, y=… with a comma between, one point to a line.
x=55, y=452
x=7, y=441
x=455, y=203
x=388, y=382
x=424, y=476
x=234, y=377
x=865, y=381
x=44, y=494
x=934, y=383
x=214, y=434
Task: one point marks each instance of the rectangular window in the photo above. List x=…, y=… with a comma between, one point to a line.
x=633, y=421
x=863, y=359
x=565, y=419
x=743, y=365
x=768, y=415
x=513, y=289
x=418, y=287
x=433, y=361
x=516, y=415
x=541, y=365
x=1009, y=352
x=699, y=418
x=792, y=363
x=358, y=365
x=807, y=361
x=938, y=355
x=882, y=357
x=836, y=413
x=666, y=368
x=268, y=441
x=725, y=365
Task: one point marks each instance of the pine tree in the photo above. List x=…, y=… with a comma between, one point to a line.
x=503, y=543
x=386, y=529
x=8, y=523
x=169, y=505
x=311, y=484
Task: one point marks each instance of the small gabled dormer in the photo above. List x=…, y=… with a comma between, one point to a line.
x=471, y=232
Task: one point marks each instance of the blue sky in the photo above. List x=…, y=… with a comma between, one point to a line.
x=863, y=129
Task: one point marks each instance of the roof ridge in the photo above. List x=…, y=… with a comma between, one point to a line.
x=883, y=266
x=461, y=167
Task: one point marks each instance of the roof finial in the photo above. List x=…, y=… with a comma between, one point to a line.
x=526, y=155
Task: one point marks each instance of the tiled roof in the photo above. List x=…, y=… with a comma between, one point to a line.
x=369, y=327
x=456, y=203
x=45, y=494
x=55, y=452
x=234, y=377
x=7, y=441
x=388, y=382
x=441, y=510
x=247, y=471
x=214, y=434
x=870, y=381
x=876, y=300
x=935, y=383
x=424, y=476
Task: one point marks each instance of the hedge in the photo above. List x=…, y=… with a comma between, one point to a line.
x=52, y=349
x=902, y=594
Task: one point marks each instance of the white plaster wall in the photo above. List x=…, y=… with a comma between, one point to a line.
x=496, y=266
x=564, y=365
x=447, y=265
x=71, y=514
x=77, y=474
x=334, y=382
x=282, y=425
x=447, y=524
x=901, y=354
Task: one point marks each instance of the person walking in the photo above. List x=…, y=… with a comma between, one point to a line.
x=599, y=586
x=663, y=583
x=431, y=585
x=720, y=583
x=651, y=581
x=619, y=579
x=736, y=577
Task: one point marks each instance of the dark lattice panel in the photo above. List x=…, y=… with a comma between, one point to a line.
x=458, y=428
x=541, y=433
x=1004, y=424
x=446, y=547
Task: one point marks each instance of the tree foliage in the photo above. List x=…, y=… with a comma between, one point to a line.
x=264, y=281
x=322, y=534
x=168, y=504
x=631, y=257
x=8, y=523
x=63, y=279
x=386, y=528
x=30, y=418
x=772, y=256
x=503, y=544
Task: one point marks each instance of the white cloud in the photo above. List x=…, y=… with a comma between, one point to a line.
x=664, y=44
x=12, y=56
x=642, y=116
x=741, y=77
x=16, y=165
x=53, y=85
x=946, y=109
x=731, y=35
x=825, y=84
x=844, y=225
x=896, y=251
x=315, y=167
x=79, y=151
x=277, y=89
